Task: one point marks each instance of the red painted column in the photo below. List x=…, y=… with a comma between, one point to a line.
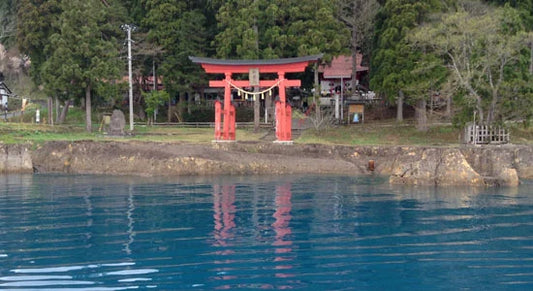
x=227, y=104
x=231, y=122
x=278, y=120
x=218, y=119
x=288, y=122
x=284, y=134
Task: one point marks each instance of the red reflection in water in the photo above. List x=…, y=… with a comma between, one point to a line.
x=224, y=213
x=224, y=220
x=281, y=226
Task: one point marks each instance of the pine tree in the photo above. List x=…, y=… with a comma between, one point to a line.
x=34, y=28
x=393, y=59
x=8, y=22
x=83, y=52
x=178, y=27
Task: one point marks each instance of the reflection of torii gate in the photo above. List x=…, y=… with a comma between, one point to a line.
x=254, y=68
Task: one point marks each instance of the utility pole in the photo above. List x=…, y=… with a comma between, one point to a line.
x=128, y=28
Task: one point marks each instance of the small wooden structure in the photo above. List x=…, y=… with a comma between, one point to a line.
x=356, y=113
x=485, y=134
x=225, y=113
x=4, y=94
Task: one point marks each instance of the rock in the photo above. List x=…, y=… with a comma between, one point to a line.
x=523, y=160
x=471, y=166
x=15, y=159
x=415, y=168
x=454, y=169
x=434, y=166
x=507, y=177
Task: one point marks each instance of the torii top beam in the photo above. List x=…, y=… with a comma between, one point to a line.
x=286, y=65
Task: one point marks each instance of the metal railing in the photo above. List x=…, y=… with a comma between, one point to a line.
x=207, y=124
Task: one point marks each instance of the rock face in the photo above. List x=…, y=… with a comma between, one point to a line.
x=15, y=159
x=441, y=166
x=435, y=166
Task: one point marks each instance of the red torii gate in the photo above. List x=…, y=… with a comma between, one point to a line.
x=254, y=68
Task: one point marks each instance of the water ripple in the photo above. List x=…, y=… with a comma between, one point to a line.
x=317, y=233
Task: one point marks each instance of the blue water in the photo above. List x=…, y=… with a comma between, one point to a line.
x=298, y=232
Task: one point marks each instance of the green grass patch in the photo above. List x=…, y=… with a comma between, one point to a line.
x=382, y=134
x=361, y=134
x=15, y=132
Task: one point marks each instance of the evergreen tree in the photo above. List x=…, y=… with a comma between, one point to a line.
x=83, y=52
x=260, y=29
x=178, y=28
x=393, y=59
x=34, y=28
x=8, y=19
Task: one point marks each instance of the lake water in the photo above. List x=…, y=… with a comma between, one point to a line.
x=296, y=232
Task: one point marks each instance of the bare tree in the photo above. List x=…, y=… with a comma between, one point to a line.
x=359, y=16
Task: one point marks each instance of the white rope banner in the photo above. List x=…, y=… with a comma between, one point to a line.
x=242, y=92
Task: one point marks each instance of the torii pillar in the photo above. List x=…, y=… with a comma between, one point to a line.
x=226, y=114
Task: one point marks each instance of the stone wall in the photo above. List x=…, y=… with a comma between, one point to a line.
x=441, y=166
x=15, y=159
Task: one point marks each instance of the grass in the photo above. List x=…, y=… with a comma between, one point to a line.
x=15, y=132
x=383, y=134
x=394, y=134
x=361, y=134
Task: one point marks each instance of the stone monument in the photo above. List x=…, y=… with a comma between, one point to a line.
x=118, y=121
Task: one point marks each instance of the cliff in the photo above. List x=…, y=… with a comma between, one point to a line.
x=477, y=166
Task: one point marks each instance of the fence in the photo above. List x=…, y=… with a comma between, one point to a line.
x=486, y=134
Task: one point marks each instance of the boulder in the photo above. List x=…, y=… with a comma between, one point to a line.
x=454, y=169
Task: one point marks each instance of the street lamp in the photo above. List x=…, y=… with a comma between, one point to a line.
x=129, y=28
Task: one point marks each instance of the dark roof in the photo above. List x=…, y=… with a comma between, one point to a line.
x=211, y=61
x=4, y=86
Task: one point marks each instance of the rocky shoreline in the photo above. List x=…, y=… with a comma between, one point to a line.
x=441, y=166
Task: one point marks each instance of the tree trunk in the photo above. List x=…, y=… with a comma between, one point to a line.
x=50, y=106
x=354, y=56
x=154, y=82
x=181, y=105
x=399, y=111
x=421, y=115
x=317, y=94
x=257, y=109
x=88, y=120
x=269, y=110
x=431, y=104
x=449, y=106
x=480, y=112
x=169, y=113
x=63, y=115
x=492, y=109
x=531, y=56
x=57, y=108
x=257, y=101
x=190, y=103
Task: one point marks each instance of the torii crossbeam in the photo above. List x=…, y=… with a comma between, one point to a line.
x=253, y=67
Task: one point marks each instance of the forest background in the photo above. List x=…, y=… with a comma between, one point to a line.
x=478, y=55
